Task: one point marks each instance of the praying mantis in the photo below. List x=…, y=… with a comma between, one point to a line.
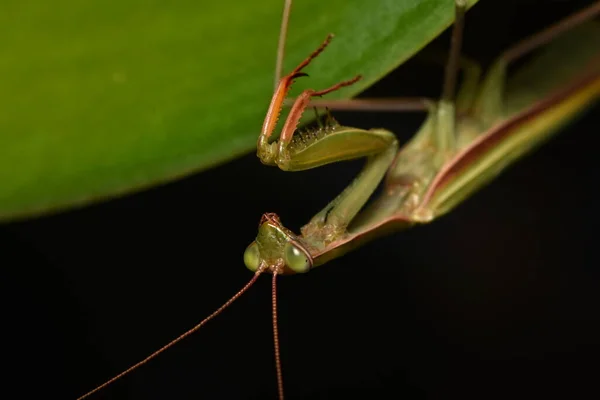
x=307, y=253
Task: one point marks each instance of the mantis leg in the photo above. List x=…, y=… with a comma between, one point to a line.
x=489, y=104
x=332, y=144
x=445, y=137
x=333, y=220
x=467, y=92
x=397, y=104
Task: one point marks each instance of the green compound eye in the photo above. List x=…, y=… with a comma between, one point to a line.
x=252, y=257
x=295, y=258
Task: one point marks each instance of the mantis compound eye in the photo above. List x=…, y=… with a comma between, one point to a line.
x=296, y=258
x=252, y=257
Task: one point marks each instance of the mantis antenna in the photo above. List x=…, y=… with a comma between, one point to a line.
x=276, y=337
x=194, y=329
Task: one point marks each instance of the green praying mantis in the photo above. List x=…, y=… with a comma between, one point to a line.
x=467, y=139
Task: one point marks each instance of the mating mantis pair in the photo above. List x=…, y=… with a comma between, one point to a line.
x=466, y=140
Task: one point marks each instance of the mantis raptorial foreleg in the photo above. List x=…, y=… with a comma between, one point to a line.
x=323, y=146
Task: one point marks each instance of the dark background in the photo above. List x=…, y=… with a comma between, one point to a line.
x=499, y=298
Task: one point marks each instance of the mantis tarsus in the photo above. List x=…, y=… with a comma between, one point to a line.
x=590, y=87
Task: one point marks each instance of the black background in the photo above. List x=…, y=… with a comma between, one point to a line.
x=499, y=298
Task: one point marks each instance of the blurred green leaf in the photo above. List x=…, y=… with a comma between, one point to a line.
x=102, y=97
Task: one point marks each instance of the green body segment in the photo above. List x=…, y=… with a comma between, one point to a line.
x=327, y=226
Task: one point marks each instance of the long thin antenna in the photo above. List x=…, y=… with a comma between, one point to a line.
x=281, y=45
x=276, y=337
x=178, y=339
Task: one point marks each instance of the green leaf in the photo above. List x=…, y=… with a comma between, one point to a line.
x=99, y=98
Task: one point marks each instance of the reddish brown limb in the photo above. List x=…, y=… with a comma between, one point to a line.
x=451, y=71
x=338, y=86
x=550, y=33
x=276, y=337
x=180, y=338
x=281, y=92
x=388, y=104
x=313, y=55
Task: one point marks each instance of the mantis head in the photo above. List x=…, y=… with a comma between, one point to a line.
x=276, y=248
